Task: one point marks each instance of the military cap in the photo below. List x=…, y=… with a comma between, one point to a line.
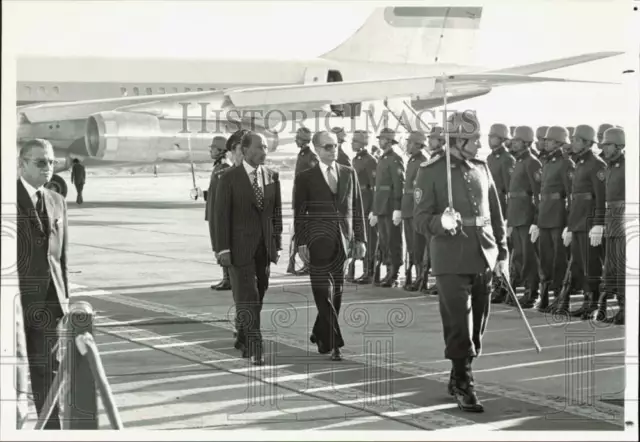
x=388, y=134
x=499, y=130
x=585, y=132
x=541, y=132
x=218, y=141
x=360, y=136
x=524, y=133
x=557, y=133
x=464, y=125
x=614, y=135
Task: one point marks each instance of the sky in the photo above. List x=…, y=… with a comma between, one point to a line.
x=512, y=33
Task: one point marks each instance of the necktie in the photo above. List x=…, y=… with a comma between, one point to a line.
x=333, y=183
x=42, y=212
x=257, y=190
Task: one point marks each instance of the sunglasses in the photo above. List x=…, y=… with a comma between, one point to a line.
x=41, y=163
x=329, y=146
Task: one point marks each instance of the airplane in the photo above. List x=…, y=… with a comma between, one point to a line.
x=110, y=112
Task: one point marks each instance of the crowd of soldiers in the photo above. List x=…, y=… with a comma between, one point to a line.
x=556, y=193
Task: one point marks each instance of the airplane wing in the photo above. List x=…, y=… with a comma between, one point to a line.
x=550, y=65
x=285, y=98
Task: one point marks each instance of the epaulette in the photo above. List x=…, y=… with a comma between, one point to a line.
x=431, y=161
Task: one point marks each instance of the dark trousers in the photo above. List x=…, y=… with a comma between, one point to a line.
x=79, y=188
x=525, y=257
x=326, y=270
x=416, y=242
x=553, y=258
x=390, y=241
x=464, y=310
x=372, y=244
x=40, y=325
x=615, y=265
x=588, y=262
x=249, y=283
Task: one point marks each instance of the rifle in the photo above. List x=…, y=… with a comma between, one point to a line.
x=376, y=263
x=563, y=297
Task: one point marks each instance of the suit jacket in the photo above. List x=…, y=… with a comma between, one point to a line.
x=239, y=224
x=78, y=174
x=210, y=199
x=313, y=211
x=42, y=253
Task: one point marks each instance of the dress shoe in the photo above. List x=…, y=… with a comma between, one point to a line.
x=336, y=355
x=364, y=279
x=463, y=389
x=313, y=338
x=257, y=360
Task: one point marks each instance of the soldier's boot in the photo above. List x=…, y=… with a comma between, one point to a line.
x=417, y=284
x=377, y=281
x=498, y=293
x=225, y=284
x=430, y=290
x=291, y=269
x=391, y=280
x=464, y=389
x=408, y=277
x=618, y=319
x=366, y=278
x=600, y=315
x=561, y=303
x=531, y=296
x=589, y=305
x=351, y=271
x=452, y=382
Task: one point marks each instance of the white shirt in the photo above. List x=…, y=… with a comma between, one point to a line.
x=249, y=168
x=325, y=172
x=31, y=191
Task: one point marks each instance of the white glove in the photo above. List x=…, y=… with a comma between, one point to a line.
x=449, y=220
x=397, y=217
x=534, y=231
x=595, y=235
x=502, y=269
x=566, y=237
x=373, y=220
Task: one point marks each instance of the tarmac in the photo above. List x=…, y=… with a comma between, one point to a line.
x=140, y=253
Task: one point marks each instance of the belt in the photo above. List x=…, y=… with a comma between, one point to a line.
x=518, y=195
x=551, y=196
x=476, y=221
x=383, y=187
x=581, y=196
x=408, y=191
x=612, y=204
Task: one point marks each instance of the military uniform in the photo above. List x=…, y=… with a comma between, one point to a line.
x=307, y=159
x=557, y=173
x=501, y=164
x=415, y=242
x=615, y=264
x=365, y=166
x=218, y=170
x=343, y=158
x=387, y=199
x=522, y=213
x=462, y=263
x=587, y=209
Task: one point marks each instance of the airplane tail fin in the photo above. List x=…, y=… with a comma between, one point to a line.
x=413, y=35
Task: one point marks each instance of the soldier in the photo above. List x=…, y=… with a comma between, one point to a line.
x=585, y=225
x=539, y=148
x=78, y=177
x=507, y=142
x=615, y=263
x=343, y=158
x=501, y=164
x=522, y=212
x=601, y=130
x=468, y=242
x=218, y=152
x=387, y=204
x=555, y=188
x=307, y=159
x=415, y=242
x=365, y=167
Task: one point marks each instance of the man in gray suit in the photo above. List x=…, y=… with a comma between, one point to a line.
x=42, y=267
x=248, y=232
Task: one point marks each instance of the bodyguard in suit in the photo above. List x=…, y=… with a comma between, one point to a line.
x=329, y=229
x=218, y=153
x=42, y=266
x=248, y=229
x=467, y=245
x=78, y=178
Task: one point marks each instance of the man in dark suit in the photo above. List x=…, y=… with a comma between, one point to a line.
x=218, y=152
x=342, y=157
x=78, y=177
x=42, y=267
x=329, y=228
x=248, y=231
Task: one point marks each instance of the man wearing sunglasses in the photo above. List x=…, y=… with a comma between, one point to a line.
x=42, y=267
x=328, y=229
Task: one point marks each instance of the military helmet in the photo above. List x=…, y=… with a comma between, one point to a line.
x=464, y=125
x=604, y=127
x=614, y=135
x=557, y=133
x=542, y=132
x=388, y=134
x=524, y=133
x=585, y=132
x=499, y=130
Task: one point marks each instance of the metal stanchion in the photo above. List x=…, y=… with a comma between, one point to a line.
x=22, y=367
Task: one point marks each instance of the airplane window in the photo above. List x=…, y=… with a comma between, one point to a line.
x=56, y=90
x=136, y=91
x=175, y=90
x=199, y=89
x=149, y=91
x=28, y=89
x=187, y=89
x=162, y=90
x=123, y=91
x=212, y=88
x=41, y=90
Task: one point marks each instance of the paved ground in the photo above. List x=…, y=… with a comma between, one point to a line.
x=140, y=254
